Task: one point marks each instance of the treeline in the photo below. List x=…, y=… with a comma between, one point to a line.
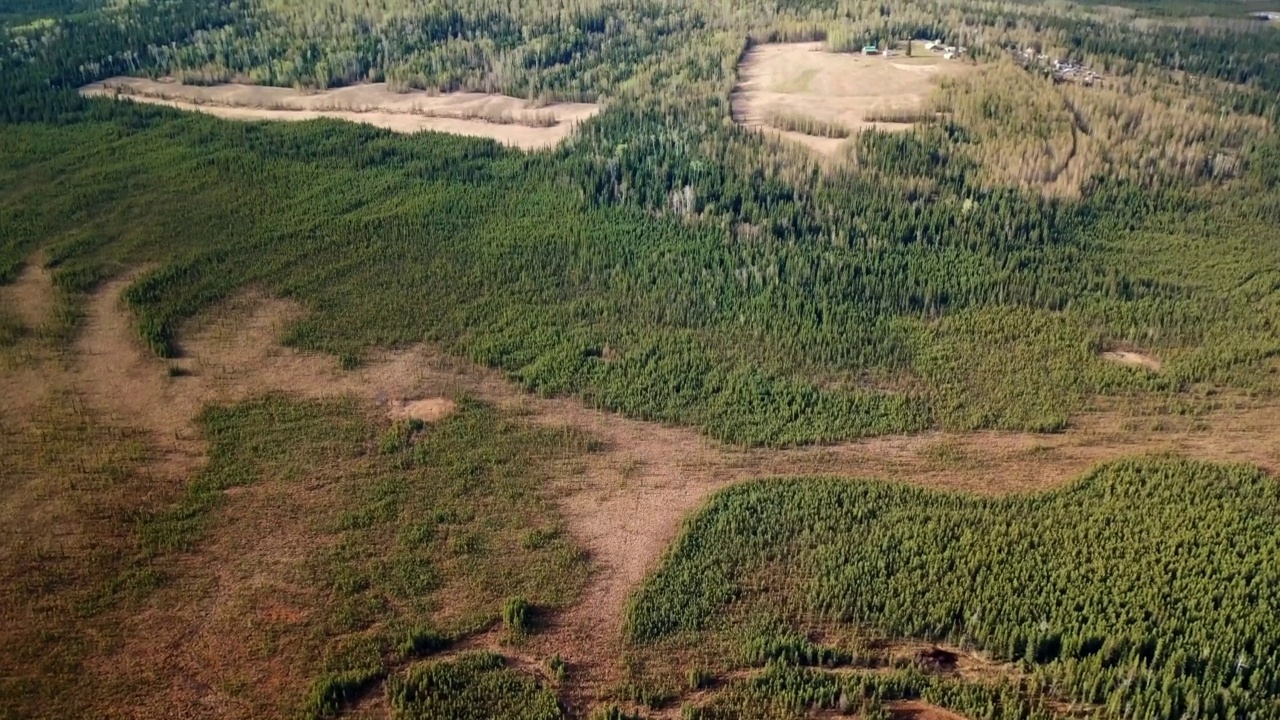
x=45, y=61
x=1139, y=590
x=784, y=691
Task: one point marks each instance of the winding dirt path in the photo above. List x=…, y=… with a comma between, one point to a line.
x=630, y=502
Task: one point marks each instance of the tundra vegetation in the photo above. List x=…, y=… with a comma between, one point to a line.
x=969, y=273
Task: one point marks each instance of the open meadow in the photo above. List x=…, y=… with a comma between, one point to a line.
x=542, y=369
x=817, y=97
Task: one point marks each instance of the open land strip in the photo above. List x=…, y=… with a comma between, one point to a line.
x=803, y=80
x=510, y=121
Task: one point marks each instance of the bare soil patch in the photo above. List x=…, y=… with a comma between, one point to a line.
x=427, y=410
x=917, y=710
x=803, y=79
x=1132, y=359
x=508, y=120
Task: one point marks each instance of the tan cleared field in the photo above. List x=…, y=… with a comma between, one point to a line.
x=510, y=121
x=804, y=80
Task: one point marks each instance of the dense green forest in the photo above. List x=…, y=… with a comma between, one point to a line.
x=1143, y=588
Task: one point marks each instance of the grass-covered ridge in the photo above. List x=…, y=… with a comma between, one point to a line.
x=1145, y=587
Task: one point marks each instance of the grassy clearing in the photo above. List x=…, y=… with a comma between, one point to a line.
x=72, y=488
x=321, y=549
x=433, y=529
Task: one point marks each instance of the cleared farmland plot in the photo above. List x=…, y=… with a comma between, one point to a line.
x=798, y=81
x=510, y=121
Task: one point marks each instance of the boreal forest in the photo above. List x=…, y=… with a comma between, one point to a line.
x=640, y=359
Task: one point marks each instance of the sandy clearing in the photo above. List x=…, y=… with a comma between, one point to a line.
x=803, y=79
x=30, y=296
x=427, y=410
x=232, y=355
x=508, y=120
x=626, y=503
x=1132, y=359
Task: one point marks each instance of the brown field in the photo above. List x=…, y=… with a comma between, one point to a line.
x=914, y=710
x=802, y=79
x=510, y=121
x=624, y=504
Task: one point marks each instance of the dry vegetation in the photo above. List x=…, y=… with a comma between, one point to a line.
x=508, y=120
x=817, y=97
x=1023, y=128
x=1034, y=133
x=111, y=410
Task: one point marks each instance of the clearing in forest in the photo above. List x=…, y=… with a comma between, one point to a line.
x=510, y=121
x=1132, y=359
x=785, y=87
x=915, y=710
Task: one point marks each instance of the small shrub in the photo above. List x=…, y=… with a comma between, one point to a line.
x=539, y=538
x=650, y=696
x=516, y=615
x=699, y=678
x=559, y=668
x=396, y=438
x=423, y=641
x=334, y=690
